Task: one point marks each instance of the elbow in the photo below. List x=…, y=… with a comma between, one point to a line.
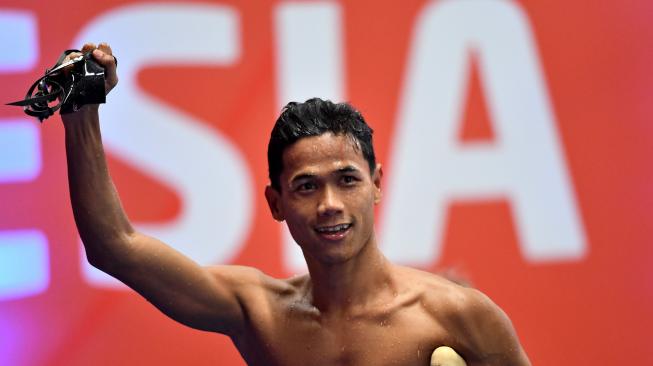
x=106, y=255
x=98, y=259
x=94, y=259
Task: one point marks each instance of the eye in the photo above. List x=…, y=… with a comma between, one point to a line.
x=306, y=187
x=349, y=180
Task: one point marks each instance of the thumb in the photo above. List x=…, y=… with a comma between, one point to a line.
x=446, y=356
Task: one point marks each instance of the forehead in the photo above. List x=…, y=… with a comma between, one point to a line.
x=321, y=155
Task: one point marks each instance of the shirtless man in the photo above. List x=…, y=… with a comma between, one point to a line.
x=353, y=308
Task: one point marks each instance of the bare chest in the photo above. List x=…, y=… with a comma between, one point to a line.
x=399, y=338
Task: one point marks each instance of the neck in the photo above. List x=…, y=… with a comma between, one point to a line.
x=343, y=287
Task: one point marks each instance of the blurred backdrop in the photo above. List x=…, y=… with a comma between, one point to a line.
x=516, y=140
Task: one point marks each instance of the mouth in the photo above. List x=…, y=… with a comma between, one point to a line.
x=333, y=232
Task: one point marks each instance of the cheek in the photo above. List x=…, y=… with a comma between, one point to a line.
x=299, y=207
x=362, y=202
x=298, y=212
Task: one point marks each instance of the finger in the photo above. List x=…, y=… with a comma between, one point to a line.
x=69, y=57
x=88, y=47
x=104, y=47
x=106, y=60
x=446, y=356
x=104, y=56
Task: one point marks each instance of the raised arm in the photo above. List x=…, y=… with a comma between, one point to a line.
x=203, y=298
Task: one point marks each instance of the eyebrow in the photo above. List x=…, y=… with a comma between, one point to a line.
x=346, y=169
x=302, y=177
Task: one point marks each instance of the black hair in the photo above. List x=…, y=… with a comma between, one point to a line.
x=313, y=118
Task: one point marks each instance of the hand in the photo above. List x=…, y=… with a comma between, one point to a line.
x=104, y=56
x=446, y=356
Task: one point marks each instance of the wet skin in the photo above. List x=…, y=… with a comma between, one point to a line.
x=401, y=328
x=353, y=308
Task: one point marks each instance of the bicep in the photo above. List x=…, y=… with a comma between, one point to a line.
x=205, y=298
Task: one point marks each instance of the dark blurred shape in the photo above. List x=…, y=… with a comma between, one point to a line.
x=73, y=83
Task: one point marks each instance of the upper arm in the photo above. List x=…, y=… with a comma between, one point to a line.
x=493, y=337
x=206, y=298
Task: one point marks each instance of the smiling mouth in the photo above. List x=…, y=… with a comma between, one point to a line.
x=335, y=232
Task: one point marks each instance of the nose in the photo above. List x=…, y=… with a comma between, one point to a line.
x=330, y=203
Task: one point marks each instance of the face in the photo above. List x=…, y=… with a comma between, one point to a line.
x=327, y=197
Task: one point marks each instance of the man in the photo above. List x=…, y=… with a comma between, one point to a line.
x=353, y=308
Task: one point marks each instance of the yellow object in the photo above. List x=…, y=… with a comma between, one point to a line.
x=446, y=356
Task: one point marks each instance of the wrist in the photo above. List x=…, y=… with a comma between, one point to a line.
x=85, y=114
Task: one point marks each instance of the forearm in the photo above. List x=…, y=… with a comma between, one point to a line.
x=100, y=218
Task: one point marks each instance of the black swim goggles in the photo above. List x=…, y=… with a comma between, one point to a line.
x=74, y=87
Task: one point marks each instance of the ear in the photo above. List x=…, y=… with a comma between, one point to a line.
x=376, y=179
x=273, y=197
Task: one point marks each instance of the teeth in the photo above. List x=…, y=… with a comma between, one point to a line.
x=333, y=229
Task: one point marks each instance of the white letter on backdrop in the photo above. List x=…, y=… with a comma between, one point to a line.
x=309, y=64
x=181, y=151
x=525, y=164
x=24, y=253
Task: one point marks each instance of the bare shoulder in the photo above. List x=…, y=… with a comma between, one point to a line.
x=486, y=333
x=447, y=298
x=446, y=301
x=436, y=291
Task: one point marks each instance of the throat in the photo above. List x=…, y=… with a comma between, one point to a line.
x=354, y=283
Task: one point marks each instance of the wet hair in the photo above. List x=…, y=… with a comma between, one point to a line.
x=313, y=118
